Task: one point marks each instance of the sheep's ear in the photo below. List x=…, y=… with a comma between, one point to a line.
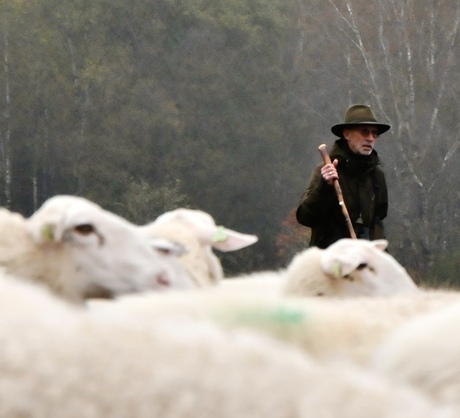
x=207, y=232
x=43, y=233
x=47, y=233
x=46, y=227
x=380, y=244
x=225, y=239
x=340, y=264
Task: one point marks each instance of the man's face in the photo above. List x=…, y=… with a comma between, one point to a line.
x=361, y=139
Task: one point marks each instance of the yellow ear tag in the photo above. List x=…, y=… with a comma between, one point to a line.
x=337, y=269
x=219, y=235
x=47, y=233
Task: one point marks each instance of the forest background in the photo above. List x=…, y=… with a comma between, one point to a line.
x=220, y=105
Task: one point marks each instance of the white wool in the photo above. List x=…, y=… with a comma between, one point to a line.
x=78, y=249
x=57, y=361
x=324, y=327
x=262, y=282
x=424, y=353
x=198, y=233
x=349, y=267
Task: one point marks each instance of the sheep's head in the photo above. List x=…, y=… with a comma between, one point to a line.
x=91, y=252
x=206, y=231
x=304, y=275
x=363, y=267
x=349, y=267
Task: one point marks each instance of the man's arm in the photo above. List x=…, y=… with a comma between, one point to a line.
x=316, y=201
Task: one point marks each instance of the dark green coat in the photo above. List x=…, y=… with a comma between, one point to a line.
x=364, y=192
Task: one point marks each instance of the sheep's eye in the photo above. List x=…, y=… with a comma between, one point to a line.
x=84, y=229
x=362, y=266
x=166, y=251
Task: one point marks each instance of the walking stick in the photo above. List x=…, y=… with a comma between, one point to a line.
x=327, y=160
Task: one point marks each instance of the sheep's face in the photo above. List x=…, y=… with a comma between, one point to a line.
x=104, y=255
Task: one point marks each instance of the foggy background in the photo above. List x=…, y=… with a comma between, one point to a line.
x=220, y=105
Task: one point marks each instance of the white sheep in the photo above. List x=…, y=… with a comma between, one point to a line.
x=323, y=327
x=79, y=250
x=58, y=361
x=198, y=232
x=424, y=353
x=349, y=267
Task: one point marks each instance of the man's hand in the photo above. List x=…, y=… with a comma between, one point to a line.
x=329, y=172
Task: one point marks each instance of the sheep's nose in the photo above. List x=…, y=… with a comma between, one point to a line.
x=162, y=280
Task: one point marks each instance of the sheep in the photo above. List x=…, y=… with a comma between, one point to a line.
x=198, y=232
x=423, y=352
x=60, y=361
x=79, y=250
x=325, y=328
x=349, y=267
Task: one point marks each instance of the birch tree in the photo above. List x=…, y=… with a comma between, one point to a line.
x=401, y=57
x=5, y=128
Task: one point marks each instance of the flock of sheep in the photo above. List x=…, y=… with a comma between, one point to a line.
x=103, y=318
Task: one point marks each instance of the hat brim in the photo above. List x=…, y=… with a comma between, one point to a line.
x=337, y=130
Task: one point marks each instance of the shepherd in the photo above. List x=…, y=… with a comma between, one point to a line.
x=356, y=166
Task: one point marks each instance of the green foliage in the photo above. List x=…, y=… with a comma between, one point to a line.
x=142, y=203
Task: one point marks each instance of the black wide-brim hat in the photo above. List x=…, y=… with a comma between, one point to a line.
x=359, y=115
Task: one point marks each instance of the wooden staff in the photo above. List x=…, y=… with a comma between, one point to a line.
x=327, y=160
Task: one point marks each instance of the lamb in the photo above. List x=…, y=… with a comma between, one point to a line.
x=198, y=232
x=58, y=361
x=79, y=250
x=424, y=353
